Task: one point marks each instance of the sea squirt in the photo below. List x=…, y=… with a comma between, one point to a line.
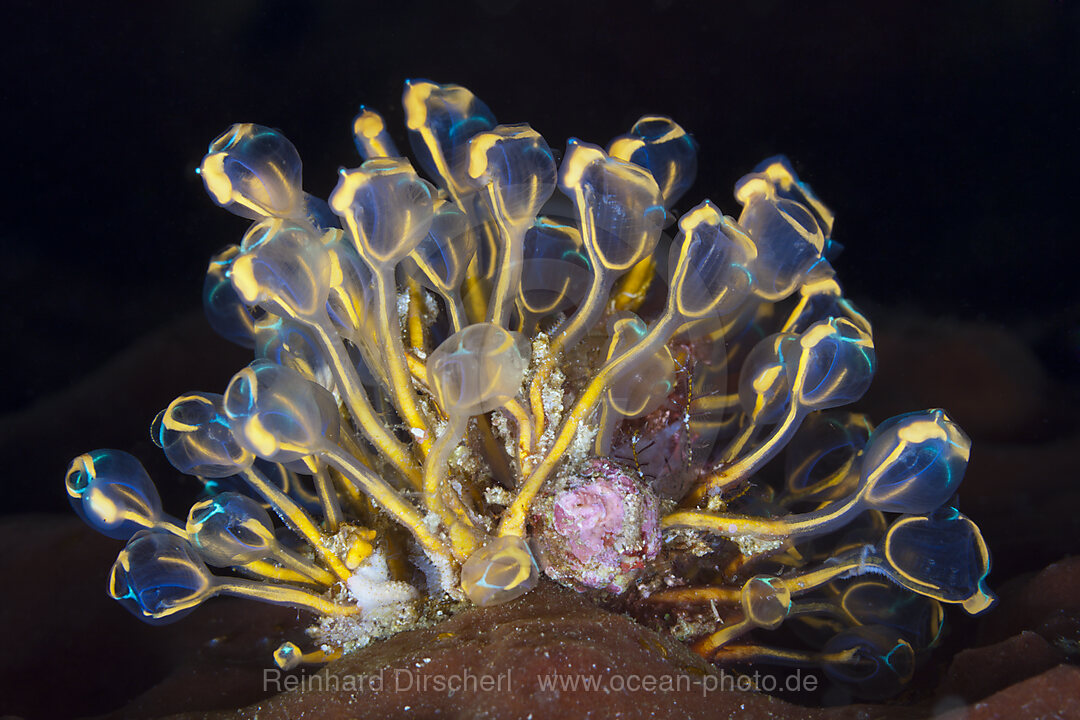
x=467, y=379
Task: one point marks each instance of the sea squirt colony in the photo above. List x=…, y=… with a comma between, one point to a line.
x=458, y=386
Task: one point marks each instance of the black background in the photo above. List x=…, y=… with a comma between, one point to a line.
x=943, y=135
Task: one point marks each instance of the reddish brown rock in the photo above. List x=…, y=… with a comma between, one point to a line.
x=1054, y=694
x=1047, y=603
x=510, y=651
x=979, y=672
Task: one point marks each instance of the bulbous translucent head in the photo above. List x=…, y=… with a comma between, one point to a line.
x=620, y=205
x=787, y=237
x=878, y=602
x=884, y=661
x=779, y=172
x=710, y=261
x=254, y=171
x=277, y=414
x=450, y=116
x=477, y=369
x=765, y=380
x=766, y=601
x=658, y=144
x=838, y=362
x=518, y=163
x=370, y=135
x=283, y=268
x=444, y=253
x=159, y=577
x=197, y=438
x=643, y=386
x=230, y=529
x=352, y=284
x=228, y=315
x=387, y=208
x=294, y=345
x=554, y=268
x=827, y=442
x=111, y=491
x=288, y=656
x=500, y=571
x=914, y=463
x=942, y=555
